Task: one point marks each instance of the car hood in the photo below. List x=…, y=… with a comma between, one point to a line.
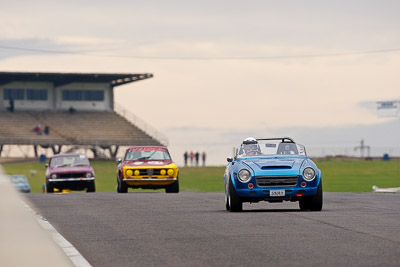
x=261, y=164
x=21, y=185
x=71, y=169
x=147, y=163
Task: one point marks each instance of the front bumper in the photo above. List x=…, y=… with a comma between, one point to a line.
x=141, y=182
x=259, y=194
x=150, y=179
x=72, y=183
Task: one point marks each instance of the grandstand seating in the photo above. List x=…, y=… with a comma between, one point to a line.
x=94, y=128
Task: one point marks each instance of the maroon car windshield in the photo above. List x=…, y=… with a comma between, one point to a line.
x=70, y=160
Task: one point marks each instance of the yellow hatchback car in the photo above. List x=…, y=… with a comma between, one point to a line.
x=147, y=167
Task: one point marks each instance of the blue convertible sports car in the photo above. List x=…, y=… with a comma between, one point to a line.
x=273, y=170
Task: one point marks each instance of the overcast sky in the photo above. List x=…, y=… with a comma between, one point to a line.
x=224, y=70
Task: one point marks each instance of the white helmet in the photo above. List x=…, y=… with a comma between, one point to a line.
x=250, y=146
x=250, y=140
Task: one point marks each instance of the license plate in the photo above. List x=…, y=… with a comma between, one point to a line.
x=277, y=193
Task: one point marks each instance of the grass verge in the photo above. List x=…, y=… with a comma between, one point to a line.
x=338, y=176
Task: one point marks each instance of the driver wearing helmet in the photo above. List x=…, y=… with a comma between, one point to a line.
x=250, y=147
x=287, y=150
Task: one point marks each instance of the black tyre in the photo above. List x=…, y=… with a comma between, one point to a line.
x=227, y=199
x=235, y=204
x=317, y=200
x=118, y=185
x=304, y=203
x=313, y=203
x=122, y=186
x=173, y=188
x=49, y=188
x=91, y=188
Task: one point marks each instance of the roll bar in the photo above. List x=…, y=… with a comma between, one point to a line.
x=283, y=139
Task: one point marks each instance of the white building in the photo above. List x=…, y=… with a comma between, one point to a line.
x=61, y=91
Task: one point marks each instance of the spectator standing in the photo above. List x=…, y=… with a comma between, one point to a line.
x=191, y=157
x=197, y=155
x=185, y=157
x=203, y=157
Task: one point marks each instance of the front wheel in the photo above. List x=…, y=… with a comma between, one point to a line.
x=122, y=187
x=235, y=204
x=49, y=188
x=317, y=200
x=227, y=198
x=313, y=203
x=91, y=188
x=173, y=188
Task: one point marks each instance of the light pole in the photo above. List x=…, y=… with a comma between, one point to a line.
x=361, y=147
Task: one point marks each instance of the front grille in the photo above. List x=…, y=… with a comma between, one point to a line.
x=149, y=172
x=72, y=175
x=277, y=180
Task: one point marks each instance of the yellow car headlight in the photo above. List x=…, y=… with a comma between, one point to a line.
x=170, y=172
x=163, y=172
x=129, y=173
x=137, y=172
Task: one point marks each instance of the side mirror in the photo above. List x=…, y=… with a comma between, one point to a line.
x=229, y=159
x=118, y=161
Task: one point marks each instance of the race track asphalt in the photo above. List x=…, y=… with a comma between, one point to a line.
x=194, y=229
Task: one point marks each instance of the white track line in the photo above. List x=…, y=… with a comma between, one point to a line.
x=72, y=253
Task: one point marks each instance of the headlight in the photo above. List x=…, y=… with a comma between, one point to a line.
x=129, y=173
x=54, y=176
x=170, y=172
x=309, y=174
x=244, y=175
x=88, y=174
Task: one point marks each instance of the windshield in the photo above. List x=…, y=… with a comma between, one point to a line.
x=147, y=153
x=271, y=147
x=71, y=160
x=18, y=179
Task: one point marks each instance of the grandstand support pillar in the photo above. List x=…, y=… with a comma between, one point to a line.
x=94, y=150
x=1, y=149
x=35, y=150
x=113, y=154
x=56, y=150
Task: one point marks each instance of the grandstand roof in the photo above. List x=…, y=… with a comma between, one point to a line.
x=60, y=79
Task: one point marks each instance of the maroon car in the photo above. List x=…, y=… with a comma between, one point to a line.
x=69, y=171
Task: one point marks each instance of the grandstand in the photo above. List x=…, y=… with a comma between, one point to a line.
x=77, y=110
